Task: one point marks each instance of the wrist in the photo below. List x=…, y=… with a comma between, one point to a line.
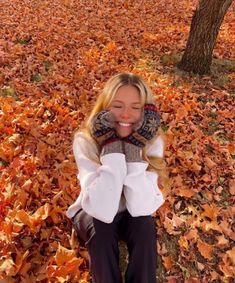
x=113, y=146
x=135, y=139
x=132, y=152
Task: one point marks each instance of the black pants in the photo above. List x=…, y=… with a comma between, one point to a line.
x=101, y=240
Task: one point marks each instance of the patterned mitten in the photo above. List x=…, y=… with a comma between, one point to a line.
x=146, y=128
x=102, y=129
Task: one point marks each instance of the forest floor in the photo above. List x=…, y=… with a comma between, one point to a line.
x=55, y=57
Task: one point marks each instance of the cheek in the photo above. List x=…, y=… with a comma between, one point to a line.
x=138, y=116
x=115, y=112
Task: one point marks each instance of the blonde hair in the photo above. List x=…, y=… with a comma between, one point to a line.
x=104, y=100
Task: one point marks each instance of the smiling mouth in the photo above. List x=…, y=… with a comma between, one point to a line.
x=124, y=124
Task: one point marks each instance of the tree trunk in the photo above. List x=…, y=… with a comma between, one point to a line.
x=204, y=30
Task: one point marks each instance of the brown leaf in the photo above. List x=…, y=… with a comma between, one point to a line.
x=8, y=266
x=171, y=224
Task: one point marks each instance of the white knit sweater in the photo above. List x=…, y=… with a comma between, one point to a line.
x=115, y=185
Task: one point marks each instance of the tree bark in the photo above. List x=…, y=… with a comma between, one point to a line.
x=204, y=30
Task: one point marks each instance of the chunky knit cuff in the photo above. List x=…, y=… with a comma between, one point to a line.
x=113, y=147
x=132, y=153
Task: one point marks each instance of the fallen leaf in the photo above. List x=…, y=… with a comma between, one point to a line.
x=168, y=262
x=232, y=186
x=210, y=210
x=205, y=249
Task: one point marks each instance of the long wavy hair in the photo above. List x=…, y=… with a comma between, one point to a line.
x=104, y=100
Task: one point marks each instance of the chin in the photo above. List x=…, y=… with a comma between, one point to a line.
x=124, y=132
x=123, y=135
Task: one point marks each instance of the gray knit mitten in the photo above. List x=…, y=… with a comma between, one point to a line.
x=132, y=152
x=113, y=147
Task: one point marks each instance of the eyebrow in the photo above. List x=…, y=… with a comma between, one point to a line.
x=122, y=102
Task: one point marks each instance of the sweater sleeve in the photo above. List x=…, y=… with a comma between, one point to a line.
x=101, y=184
x=143, y=196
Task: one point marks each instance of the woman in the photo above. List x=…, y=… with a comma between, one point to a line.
x=119, y=154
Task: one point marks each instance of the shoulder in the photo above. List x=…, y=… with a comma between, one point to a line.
x=83, y=144
x=156, y=147
x=83, y=138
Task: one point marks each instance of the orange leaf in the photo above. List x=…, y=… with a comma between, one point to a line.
x=209, y=163
x=183, y=242
x=43, y=212
x=232, y=186
x=228, y=263
x=193, y=280
x=192, y=235
x=168, y=262
x=32, y=220
x=63, y=255
x=185, y=192
x=205, y=249
x=222, y=241
x=231, y=255
x=227, y=230
x=25, y=218
x=111, y=46
x=211, y=211
x=10, y=267
x=212, y=225
x=206, y=178
x=19, y=260
x=182, y=112
x=171, y=279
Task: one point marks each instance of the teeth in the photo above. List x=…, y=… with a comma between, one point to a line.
x=124, y=124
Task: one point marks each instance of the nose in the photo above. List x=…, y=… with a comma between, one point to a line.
x=125, y=113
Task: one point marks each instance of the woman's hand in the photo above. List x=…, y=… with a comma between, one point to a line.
x=147, y=128
x=102, y=127
x=103, y=131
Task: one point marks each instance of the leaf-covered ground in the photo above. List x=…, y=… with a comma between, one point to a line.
x=54, y=58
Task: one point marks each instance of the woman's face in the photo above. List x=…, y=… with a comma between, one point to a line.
x=127, y=109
